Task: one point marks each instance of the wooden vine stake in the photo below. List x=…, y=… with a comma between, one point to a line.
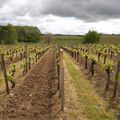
x=61, y=80
x=117, y=77
x=29, y=63
x=26, y=57
x=4, y=73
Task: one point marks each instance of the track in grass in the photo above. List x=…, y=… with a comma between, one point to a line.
x=91, y=106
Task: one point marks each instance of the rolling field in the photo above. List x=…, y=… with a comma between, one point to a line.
x=67, y=39
x=112, y=39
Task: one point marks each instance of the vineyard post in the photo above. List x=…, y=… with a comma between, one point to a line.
x=61, y=80
x=29, y=63
x=4, y=73
x=117, y=77
x=86, y=62
x=99, y=54
x=62, y=89
x=76, y=55
x=105, y=56
x=36, y=57
x=61, y=64
x=26, y=57
x=58, y=67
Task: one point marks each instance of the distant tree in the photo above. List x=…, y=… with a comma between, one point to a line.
x=91, y=37
x=2, y=34
x=28, y=34
x=11, y=35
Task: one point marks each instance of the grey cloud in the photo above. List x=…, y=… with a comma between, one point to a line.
x=2, y=2
x=88, y=10
x=51, y=15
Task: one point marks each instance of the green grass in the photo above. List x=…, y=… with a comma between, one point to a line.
x=67, y=40
x=94, y=106
x=75, y=39
x=108, y=39
x=113, y=39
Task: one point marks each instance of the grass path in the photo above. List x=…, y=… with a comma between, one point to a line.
x=87, y=104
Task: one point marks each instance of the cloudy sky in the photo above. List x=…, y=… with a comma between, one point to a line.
x=63, y=16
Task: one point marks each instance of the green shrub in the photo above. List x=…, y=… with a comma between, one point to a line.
x=91, y=37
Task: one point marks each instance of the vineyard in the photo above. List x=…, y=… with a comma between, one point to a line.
x=100, y=59
x=60, y=82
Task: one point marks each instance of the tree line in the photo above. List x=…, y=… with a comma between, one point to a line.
x=11, y=34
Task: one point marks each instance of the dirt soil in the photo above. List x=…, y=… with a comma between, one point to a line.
x=33, y=99
x=72, y=107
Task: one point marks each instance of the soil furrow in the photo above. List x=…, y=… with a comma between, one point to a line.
x=32, y=99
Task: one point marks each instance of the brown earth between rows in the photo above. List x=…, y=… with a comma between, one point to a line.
x=33, y=99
